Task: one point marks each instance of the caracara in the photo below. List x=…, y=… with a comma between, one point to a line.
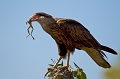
x=69, y=35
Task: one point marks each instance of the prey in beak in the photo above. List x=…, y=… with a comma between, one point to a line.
x=30, y=20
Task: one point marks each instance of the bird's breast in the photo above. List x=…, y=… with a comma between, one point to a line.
x=58, y=35
x=50, y=28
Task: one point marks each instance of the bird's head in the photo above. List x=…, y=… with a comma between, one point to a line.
x=41, y=17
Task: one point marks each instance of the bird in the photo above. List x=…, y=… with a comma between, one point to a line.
x=69, y=35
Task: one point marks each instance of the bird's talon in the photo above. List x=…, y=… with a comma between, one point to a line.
x=62, y=67
x=46, y=73
x=49, y=70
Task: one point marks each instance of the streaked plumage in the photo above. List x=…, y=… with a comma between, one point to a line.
x=70, y=34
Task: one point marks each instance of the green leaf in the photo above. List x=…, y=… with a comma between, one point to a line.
x=62, y=63
x=78, y=77
x=53, y=61
x=76, y=65
x=74, y=73
x=78, y=73
x=59, y=65
x=51, y=65
x=79, y=70
x=83, y=76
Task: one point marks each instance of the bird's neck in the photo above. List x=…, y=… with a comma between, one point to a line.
x=46, y=21
x=48, y=25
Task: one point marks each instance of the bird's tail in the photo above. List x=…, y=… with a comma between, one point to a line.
x=97, y=56
x=110, y=50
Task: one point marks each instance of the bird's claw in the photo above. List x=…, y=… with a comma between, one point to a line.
x=49, y=70
x=62, y=67
x=53, y=69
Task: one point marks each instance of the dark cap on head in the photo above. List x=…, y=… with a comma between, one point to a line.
x=43, y=14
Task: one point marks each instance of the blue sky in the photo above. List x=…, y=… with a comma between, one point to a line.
x=22, y=58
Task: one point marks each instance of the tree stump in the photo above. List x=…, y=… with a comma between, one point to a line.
x=61, y=73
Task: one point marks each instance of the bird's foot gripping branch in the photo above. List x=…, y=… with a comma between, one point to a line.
x=65, y=73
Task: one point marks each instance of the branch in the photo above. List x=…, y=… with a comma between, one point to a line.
x=61, y=73
x=65, y=73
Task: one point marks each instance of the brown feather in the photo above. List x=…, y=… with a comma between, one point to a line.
x=82, y=39
x=105, y=48
x=77, y=33
x=70, y=34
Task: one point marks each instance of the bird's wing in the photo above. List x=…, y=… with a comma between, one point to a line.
x=83, y=40
x=77, y=32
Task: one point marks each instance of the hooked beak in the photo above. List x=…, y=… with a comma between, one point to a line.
x=32, y=18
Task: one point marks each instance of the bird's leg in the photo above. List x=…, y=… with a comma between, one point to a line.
x=55, y=65
x=67, y=63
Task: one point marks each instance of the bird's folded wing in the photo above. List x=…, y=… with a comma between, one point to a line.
x=78, y=33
